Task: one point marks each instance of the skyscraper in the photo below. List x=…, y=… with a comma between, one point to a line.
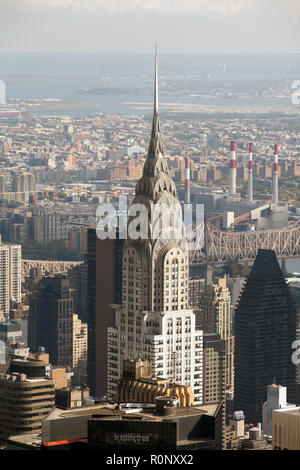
x=265, y=328
x=26, y=396
x=10, y=276
x=215, y=316
x=51, y=320
x=214, y=367
x=48, y=226
x=78, y=285
x=153, y=321
x=80, y=330
x=104, y=285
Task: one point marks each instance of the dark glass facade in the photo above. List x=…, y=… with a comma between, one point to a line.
x=104, y=288
x=265, y=328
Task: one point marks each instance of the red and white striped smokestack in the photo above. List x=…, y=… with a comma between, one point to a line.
x=232, y=170
x=250, y=174
x=275, y=176
x=187, y=182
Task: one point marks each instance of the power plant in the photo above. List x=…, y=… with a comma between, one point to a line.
x=250, y=174
x=229, y=210
x=275, y=177
x=232, y=170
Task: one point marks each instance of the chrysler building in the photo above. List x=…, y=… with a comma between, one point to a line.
x=154, y=321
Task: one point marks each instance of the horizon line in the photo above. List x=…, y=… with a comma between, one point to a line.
x=149, y=53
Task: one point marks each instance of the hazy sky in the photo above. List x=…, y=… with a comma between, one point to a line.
x=134, y=25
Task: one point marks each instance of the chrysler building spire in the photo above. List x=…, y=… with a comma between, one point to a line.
x=155, y=173
x=155, y=162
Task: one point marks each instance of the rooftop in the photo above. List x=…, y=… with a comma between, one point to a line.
x=290, y=411
x=108, y=411
x=28, y=439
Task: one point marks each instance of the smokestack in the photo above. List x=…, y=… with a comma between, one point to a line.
x=275, y=176
x=232, y=170
x=250, y=174
x=187, y=182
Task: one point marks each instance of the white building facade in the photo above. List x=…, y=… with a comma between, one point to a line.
x=10, y=276
x=276, y=400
